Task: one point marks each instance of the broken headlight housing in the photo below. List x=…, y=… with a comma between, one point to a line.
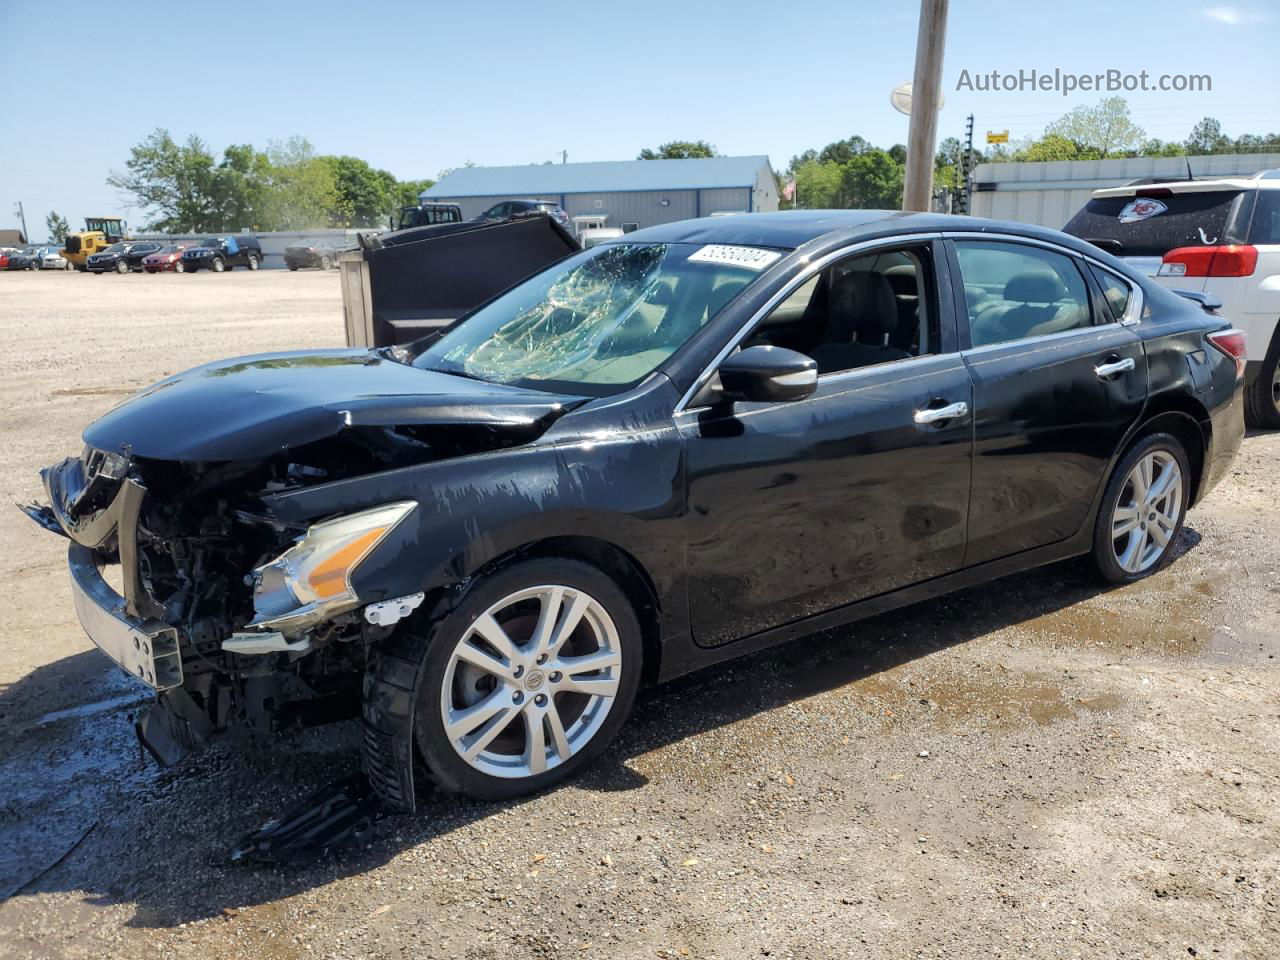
x=311, y=581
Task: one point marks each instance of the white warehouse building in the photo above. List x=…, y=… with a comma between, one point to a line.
x=631, y=194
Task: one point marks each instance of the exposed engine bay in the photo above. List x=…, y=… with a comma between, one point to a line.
x=240, y=620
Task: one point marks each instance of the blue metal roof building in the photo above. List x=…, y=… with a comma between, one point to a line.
x=632, y=194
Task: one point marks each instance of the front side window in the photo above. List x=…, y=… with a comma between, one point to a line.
x=868, y=309
x=1014, y=291
x=599, y=322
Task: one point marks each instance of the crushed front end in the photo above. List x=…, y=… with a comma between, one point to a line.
x=183, y=578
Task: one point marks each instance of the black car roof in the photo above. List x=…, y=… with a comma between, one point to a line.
x=789, y=229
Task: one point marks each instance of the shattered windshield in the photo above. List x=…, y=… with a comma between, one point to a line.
x=598, y=323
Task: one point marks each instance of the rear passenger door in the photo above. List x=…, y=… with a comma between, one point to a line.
x=1058, y=381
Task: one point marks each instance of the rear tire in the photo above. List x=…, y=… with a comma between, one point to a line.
x=122, y=266
x=1142, y=510
x=1262, y=397
x=253, y=263
x=326, y=263
x=496, y=714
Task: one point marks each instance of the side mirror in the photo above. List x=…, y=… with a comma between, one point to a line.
x=768, y=374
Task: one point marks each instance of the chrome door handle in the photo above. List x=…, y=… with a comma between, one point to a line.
x=935, y=414
x=1104, y=370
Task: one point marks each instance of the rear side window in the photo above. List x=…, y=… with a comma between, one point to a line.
x=1266, y=218
x=1114, y=291
x=1152, y=226
x=1014, y=291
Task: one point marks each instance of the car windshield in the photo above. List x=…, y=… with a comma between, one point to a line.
x=601, y=321
x=115, y=248
x=172, y=248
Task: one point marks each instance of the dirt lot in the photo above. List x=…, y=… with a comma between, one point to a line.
x=1035, y=768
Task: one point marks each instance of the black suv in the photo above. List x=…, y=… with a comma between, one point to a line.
x=527, y=208
x=223, y=253
x=120, y=257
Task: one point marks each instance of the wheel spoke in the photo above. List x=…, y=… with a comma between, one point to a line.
x=535, y=749
x=592, y=686
x=495, y=636
x=569, y=622
x=462, y=722
x=483, y=659
x=495, y=726
x=559, y=740
x=1159, y=535
x=1124, y=521
x=548, y=615
x=1168, y=477
x=599, y=660
x=1141, y=479
x=1131, y=559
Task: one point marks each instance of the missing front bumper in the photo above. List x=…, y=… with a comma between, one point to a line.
x=146, y=649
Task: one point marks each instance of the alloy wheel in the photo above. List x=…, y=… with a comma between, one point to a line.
x=1275, y=388
x=531, y=681
x=1147, y=512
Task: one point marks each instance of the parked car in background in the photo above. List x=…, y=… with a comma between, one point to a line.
x=223, y=253
x=166, y=259
x=655, y=455
x=526, y=208
x=123, y=257
x=427, y=215
x=52, y=259
x=1220, y=238
x=323, y=255
x=5, y=252
x=28, y=258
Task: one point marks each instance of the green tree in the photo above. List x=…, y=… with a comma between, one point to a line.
x=175, y=181
x=1207, y=137
x=406, y=191
x=873, y=180
x=1053, y=146
x=842, y=151
x=57, y=227
x=818, y=185
x=1105, y=128
x=241, y=189
x=364, y=195
x=679, y=150
x=303, y=191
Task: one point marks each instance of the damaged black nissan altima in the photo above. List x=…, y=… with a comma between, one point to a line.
x=666, y=451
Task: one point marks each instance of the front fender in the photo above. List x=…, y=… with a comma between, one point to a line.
x=626, y=490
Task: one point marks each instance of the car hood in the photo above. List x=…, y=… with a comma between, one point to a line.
x=252, y=407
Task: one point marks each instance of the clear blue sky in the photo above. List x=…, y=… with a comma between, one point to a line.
x=418, y=87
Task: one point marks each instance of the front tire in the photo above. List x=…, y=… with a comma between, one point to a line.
x=527, y=680
x=1262, y=397
x=1143, y=509
x=218, y=265
x=326, y=263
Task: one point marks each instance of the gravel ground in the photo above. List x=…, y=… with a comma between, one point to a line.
x=1034, y=768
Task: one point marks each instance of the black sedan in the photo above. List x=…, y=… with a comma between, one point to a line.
x=322, y=255
x=690, y=444
x=123, y=257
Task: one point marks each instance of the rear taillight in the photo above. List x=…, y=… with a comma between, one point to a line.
x=1233, y=344
x=1229, y=260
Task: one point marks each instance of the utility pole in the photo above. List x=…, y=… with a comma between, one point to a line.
x=26, y=237
x=917, y=193
x=966, y=166
x=564, y=157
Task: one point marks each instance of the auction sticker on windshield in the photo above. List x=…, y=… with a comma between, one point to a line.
x=751, y=258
